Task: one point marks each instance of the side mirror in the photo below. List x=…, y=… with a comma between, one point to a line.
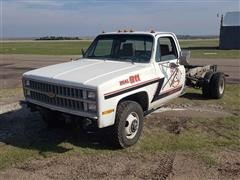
x=184, y=57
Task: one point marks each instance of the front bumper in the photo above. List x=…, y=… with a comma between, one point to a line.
x=35, y=106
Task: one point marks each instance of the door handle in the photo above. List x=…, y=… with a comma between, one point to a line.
x=173, y=65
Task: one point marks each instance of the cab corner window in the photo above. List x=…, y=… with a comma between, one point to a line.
x=166, y=49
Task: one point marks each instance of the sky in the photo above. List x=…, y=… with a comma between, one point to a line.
x=37, y=18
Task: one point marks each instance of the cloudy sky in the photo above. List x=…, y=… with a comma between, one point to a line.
x=35, y=18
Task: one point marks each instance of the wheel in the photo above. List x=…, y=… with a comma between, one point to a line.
x=217, y=85
x=128, y=124
x=206, y=92
x=52, y=118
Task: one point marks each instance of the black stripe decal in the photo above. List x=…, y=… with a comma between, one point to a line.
x=130, y=89
x=160, y=84
x=160, y=96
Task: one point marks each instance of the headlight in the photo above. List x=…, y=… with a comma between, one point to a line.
x=92, y=107
x=91, y=95
x=27, y=83
x=28, y=93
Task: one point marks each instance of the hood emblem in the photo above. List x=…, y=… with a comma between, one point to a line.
x=51, y=94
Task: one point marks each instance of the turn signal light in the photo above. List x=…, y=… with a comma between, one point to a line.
x=107, y=111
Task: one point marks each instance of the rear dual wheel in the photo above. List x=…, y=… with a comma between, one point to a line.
x=216, y=87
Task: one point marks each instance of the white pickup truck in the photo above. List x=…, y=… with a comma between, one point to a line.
x=121, y=77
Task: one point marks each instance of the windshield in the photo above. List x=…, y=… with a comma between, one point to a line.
x=135, y=48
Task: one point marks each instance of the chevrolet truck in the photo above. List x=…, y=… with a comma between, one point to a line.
x=120, y=78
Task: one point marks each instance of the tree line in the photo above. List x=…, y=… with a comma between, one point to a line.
x=58, y=38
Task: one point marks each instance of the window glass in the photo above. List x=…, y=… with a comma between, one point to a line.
x=143, y=45
x=135, y=48
x=166, y=49
x=103, y=48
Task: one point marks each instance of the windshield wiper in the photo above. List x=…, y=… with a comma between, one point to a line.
x=128, y=59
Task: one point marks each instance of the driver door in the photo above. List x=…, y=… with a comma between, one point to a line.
x=168, y=68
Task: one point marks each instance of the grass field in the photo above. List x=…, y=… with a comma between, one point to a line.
x=201, y=136
x=199, y=48
x=44, y=47
x=207, y=49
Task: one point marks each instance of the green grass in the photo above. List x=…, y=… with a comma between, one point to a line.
x=202, y=134
x=44, y=47
x=199, y=43
x=9, y=155
x=200, y=137
x=207, y=48
x=199, y=48
x=231, y=100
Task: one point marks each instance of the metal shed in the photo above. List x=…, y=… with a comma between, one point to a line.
x=230, y=31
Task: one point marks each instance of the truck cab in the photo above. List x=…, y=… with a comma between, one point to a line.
x=152, y=75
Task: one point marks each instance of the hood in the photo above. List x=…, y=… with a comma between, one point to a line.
x=89, y=72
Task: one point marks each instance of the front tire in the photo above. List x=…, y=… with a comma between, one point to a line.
x=128, y=124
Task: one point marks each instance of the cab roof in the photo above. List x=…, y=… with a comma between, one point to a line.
x=152, y=33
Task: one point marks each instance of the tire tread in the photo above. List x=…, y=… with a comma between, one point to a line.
x=117, y=135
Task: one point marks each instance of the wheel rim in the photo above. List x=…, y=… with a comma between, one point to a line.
x=132, y=125
x=221, y=86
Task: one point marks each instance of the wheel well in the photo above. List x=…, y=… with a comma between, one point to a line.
x=141, y=98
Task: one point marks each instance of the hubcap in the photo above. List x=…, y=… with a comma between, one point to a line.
x=132, y=125
x=221, y=87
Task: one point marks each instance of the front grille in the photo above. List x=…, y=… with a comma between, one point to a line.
x=56, y=89
x=57, y=101
x=72, y=98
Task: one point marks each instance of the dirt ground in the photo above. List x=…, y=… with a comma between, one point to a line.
x=23, y=129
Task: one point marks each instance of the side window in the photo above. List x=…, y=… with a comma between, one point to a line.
x=167, y=49
x=103, y=48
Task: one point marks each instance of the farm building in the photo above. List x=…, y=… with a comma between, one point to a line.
x=230, y=31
